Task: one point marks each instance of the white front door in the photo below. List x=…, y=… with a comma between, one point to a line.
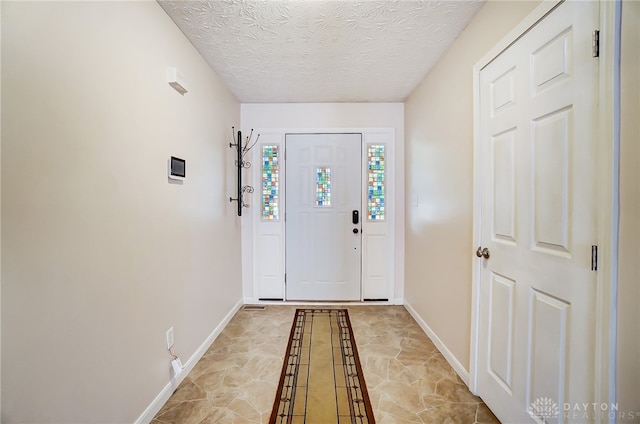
x=537, y=138
x=323, y=203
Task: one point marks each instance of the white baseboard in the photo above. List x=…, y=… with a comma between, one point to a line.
x=451, y=359
x=168, y=390
x=398, y=301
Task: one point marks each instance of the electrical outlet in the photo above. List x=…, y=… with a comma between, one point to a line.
x=170, y=338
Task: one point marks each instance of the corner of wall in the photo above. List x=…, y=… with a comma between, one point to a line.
x=439, y=180
x=448, y=355
x=168, y=390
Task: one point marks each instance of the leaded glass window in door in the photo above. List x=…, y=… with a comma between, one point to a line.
x=270, y=183
x=323, y=186
x=375, y=182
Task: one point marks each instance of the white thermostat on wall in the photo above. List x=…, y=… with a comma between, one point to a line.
x=177, y=168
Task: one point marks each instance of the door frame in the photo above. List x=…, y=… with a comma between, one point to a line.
x=606, y=279
x=261, y=271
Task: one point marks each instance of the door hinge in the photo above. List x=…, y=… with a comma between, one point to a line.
x=595, y=43
x=594, y=258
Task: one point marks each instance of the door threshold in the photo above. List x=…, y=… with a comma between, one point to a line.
x=324, y=302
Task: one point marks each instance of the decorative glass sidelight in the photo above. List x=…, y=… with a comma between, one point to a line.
x=323, y=187
x=375, y=183
x=270, y=183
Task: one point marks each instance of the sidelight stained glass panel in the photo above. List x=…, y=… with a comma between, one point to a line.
x=375, y=183
x=270, y=183
x=323, y=187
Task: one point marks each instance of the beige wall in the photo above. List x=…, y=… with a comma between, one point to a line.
x=439, y=180
x=628, y=384
x=100, y=254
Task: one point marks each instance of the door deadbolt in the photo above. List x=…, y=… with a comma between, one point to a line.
x=355, y=217
x=355, y=231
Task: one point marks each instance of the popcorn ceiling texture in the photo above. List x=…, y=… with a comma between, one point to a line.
x=321, y=51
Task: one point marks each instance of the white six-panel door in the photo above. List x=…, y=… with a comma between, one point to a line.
x=537, y=139
x=323, y=244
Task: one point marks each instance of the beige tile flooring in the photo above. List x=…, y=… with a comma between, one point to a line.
x=408, y=380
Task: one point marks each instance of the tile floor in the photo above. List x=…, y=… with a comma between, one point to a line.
x=408, y=380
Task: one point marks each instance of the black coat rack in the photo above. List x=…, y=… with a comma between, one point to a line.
x=241, y=151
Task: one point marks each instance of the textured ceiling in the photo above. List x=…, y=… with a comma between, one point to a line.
x=273, y=51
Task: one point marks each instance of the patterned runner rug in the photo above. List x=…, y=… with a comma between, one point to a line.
x=321, y=380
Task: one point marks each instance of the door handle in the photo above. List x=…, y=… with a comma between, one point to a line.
x=483, y=253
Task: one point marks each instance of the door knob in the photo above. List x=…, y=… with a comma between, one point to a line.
x=482, y=252
x=355, y=231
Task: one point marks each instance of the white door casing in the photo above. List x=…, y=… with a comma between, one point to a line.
x=268, y=235
x=536, y=150
x=323, y=245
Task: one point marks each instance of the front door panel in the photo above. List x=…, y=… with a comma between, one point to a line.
x=323, y=244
